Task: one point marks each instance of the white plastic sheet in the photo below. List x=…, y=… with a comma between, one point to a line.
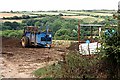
x=91, y=48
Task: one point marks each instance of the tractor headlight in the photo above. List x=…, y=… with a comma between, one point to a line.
x=50, y=35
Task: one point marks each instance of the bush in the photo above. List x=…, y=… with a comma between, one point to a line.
x=12, y=33
x=10, y=26
x=111, y=49
x=62, y=34
x=6, y=33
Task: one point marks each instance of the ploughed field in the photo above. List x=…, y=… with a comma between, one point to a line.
x=19, y=62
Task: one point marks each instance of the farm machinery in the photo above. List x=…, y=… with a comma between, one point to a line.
x=33, y=36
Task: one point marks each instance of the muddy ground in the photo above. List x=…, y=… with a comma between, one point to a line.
x=18, y=62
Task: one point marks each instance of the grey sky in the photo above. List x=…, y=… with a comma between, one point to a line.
x=34, y=5
x=119, y=5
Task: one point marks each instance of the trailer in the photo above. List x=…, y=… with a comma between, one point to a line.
x=32, y=36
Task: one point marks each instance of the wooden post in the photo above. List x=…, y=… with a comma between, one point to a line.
x=89, y=49
x=99, y=30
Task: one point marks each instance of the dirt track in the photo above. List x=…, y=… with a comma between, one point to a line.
x=18, y=62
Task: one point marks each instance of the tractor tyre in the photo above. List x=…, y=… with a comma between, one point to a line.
x=25, y=41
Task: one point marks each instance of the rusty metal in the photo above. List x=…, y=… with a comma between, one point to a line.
x=91, y=34
x=79, y=32
x=97, y=47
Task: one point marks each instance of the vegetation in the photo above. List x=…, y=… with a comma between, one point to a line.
x=105, y=65
x=111, y=49
x=73, y=66
x=11, y=33
x=20, y=17
x=62, y=28
x=11, y=26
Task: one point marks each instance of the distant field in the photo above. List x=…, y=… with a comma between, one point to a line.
x=82, y=17
x=91, y=13
x=12, y=20
x=105, y=11
x=53, y=13
x=68, y=14
x=9, y=14
x=77, y=17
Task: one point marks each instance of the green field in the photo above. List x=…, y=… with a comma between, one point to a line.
x=69, y=14
x=90, y=13
x=53, y=13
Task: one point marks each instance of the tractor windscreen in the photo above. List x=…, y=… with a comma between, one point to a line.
x=45, y=39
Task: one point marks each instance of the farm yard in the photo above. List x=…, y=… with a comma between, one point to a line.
x=18, y=62
x=63, y=59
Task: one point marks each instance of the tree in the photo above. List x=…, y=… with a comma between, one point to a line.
x=62, y=34
x=11, y=11
x=30, y=22
x=15, y=25
x=37, y=23
x=7, y=23
x=5, y=27
x=25, y=16
x=60, y=14
x=14, y=17
x=56, y=25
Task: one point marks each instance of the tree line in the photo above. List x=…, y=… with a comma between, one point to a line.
x=61, y=28
x=20, y=17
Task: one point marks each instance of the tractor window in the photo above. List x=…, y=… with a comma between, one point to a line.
x=48, y=39
x=43, y=39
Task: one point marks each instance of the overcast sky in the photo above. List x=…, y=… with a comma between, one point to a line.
x=35, y=5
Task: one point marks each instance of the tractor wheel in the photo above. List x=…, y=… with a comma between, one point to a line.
x=25, y=41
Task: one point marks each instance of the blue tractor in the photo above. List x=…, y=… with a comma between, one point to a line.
x=32, y=36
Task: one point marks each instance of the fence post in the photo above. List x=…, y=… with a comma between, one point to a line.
x=89, y=49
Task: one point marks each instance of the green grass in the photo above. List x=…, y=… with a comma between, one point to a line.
x=42, y=71
x=47, y=71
